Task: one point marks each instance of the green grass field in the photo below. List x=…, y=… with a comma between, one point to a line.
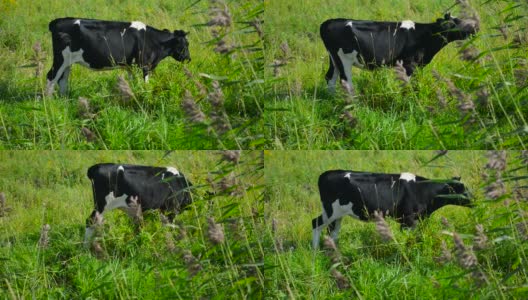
x=408, y=266
x=51, y=187
x=427, y=113
x=154, y=117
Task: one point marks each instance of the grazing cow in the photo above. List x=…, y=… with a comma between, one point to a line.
x=101, y=45
x=127, y=186
x=372, y=44
x=405, y=196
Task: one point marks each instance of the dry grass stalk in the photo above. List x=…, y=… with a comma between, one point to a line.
x=482, y=96
x=348, y=89
x=191, y=109
x=522, y=228
x=342, y=281
x=445, y=222
x=38, y=57
x=4, y=209
x=215, y=232
x=382, y=227
x=524, y=157
x=124, y=90
x=481, y=240
x=496, y=189
x=274, y=225
x=44, y=238
x=257, y=24
x=88, y=134
x=441, y=99
x=277, y=65
x=231, y=156
x=465, y=256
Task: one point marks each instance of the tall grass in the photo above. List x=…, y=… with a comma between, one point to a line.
x=154, y=117
x=478, y=101
x=215, y=251
x=457, y=252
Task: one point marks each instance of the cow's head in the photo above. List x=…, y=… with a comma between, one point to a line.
x=452, y=192
x=179, y=46
x=453, y=29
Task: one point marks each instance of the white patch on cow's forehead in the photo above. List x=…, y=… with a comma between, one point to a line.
x=113, y=202
x=407, y=176
x=78, y=22
x=407, y=24
x=349, y=24
x=138, y=25
x=173, y=170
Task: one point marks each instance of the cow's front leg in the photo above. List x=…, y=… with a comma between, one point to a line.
x=146, y=72
x=331, y=75
x=333, y=229
x=317, y=227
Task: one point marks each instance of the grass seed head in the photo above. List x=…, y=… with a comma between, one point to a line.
x=44, y=238
x=192, y=264
x=342, y=281
x=170, y=242
x=38, y=58
x=445, y=255
x=522, y=228
x=274, y=225
x=469, y=53
x=88, y=134
x=496, y=189
x=85, y=111
x=496, y=161
x=257, y=24
x=348, y=88
x=401, y=73
x=445, y=222
x=220, y=17
x=481, y=240
x=329, y=243
x=465, y=256
x=215, y=232
x=191, y=108
x=349, y=119
x=124, y=90
x=136, y=211
x=222, y=47
x=382, y=227
x=482, y=96
x=231, y=156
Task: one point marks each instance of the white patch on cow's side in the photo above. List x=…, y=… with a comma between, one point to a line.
x=339, y=211
x=78, y=22
x=349, y=60
x=69, y=58
x=138, y=25
x=407, y=24
x=121, y=168
x=113, y=202
x=348, y=175
x=123, y=32
x=173, y=170
x=407, y=176
x=349, y=24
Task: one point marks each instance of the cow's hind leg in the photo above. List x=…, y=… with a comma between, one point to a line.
x=317, y=228
x=333, y=229
x=344, y=65
x=55, y=73
x=63, y=81
x=332, y=74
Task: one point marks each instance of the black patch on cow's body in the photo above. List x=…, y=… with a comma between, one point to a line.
x=405, y=199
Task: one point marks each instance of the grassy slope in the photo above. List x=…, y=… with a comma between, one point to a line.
x=402, y=270
x=301, y=114
x=156, y=119
x=51, y=187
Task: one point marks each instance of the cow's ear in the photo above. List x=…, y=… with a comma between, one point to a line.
x=180, y=33
x=448, y=16
x=457, y=178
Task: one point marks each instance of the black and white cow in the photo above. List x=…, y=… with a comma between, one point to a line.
x=123, y=186
x=405, y=196
x=371, y=44
x=101, y=45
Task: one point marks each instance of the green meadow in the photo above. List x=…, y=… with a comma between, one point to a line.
x=196, y=260
x=478, y=101
x=456, y=253
x=221, y=85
